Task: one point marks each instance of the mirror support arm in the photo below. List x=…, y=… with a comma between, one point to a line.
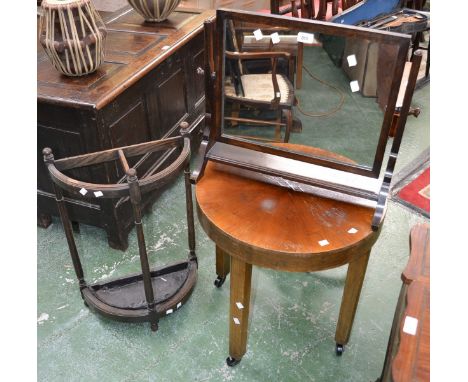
x=385, y=189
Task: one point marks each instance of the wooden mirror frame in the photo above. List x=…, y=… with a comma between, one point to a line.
x=361, y=182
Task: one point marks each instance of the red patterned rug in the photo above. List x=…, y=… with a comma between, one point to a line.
x=417, y=193
x=413, y=188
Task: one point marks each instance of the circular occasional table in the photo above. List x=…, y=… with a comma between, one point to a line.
x=255, y=223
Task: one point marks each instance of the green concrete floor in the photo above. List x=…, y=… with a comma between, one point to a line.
x=292, y=320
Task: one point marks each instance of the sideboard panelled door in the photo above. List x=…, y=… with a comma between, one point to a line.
x=196, y=62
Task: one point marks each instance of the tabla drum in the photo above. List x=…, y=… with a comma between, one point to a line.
x=154, y=10
x=72, y=34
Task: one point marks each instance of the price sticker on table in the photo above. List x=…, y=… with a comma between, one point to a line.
x=410, y=326
x=258, y=34
x=306, y=38
x=275, y=39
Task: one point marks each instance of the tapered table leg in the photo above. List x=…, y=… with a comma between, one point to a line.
x=223, y=266
x=349, y=302
x=241, y=274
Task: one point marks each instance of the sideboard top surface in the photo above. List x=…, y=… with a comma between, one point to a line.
x=133, y=48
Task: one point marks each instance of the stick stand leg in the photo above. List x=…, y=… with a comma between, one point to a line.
x=185, y=132
x=67, y=226
x=135, y=197
x=190, y=220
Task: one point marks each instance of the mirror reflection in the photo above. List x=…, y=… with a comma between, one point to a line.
x=289, y=86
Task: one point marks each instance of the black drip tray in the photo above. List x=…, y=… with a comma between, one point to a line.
x=129, y=292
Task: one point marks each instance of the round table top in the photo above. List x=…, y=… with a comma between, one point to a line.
x=279, y=228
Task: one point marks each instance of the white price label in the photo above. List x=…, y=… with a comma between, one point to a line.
x=352, y=60
x=354, y=86
x=83, y=191
x=323, y=243
x=352, y=230
x=411, y=325
x=258, y=34
x=307, y=38
x=275, y=39
x=236, y=321
x=98, y=194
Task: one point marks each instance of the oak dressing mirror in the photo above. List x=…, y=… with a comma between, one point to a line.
x=307, y=104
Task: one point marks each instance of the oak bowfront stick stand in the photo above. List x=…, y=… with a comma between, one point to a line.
x=153, y=293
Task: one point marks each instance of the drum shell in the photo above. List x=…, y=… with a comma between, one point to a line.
x=73, y=36
x=154, y=10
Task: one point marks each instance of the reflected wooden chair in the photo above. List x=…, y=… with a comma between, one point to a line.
x=278, y=7
x=345, y=4
x=418, y=38
x=308, y=9
x=311, y=9
x=259, y=91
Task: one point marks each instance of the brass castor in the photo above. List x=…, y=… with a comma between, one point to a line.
x=219, y=281
x=232, y=361
x=339, y=349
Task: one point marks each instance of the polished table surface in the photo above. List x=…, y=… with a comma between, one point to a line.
x=254, y=223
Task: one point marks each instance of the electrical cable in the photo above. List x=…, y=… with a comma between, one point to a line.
x=326, y=113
